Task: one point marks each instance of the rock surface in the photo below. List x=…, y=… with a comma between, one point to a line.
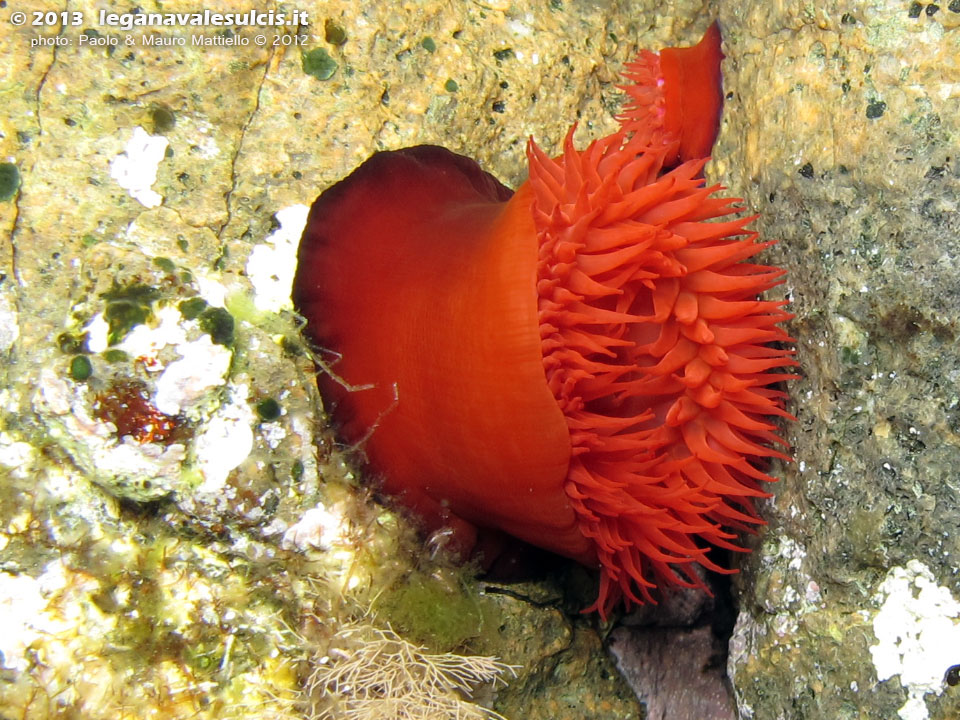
x=677, y=673
x=841, y=127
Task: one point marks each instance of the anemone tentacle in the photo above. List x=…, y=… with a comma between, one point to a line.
x=645, y=106
x=658, y=351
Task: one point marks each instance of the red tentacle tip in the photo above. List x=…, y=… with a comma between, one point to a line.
x=677, y=94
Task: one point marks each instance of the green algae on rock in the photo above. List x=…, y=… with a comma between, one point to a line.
x=334, y=33
x=9, y=180
x=318, y=63
x=80, y=368
x=218, y=323
x=163, y=119
x=268, y=410
x=126, y=307
x=442, y=610
x=192, y=307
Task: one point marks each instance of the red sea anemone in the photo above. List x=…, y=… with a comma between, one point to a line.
x=677, y=92
x=583, y=364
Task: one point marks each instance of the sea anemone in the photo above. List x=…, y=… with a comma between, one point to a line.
x=677, y=93
x=583, y=364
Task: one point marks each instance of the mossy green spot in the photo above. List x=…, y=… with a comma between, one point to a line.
x=334, y=33
x=268, y=409
x=221, y=262
x=192, y=307
x=121, y=317
x=163, y=119
x=88, y=240
x=428, y=44
x=218, y=323
x=115, y=355
x=81, y=368
x=137, y=292
x=127, y=306
x=165, y=264
x=435, y=611
x=9, y=180
x=318, y=63
x=876, y=109
x=451, y=85
x=849, y=355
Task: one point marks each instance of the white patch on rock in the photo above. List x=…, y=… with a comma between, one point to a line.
x=146, y=342
x=947, y=90
x=135, y=169
x=13, y=453
x=20, y=598
x=9, y=322
x=28, y=618
x=272, y=263
x=226, y=440
x=319, y=528
x=97, y=331
x=213, y=291
x=274, y=434
x=918, y=632
x=56, y=394
x=129, y=458
x=520, y=28
x=9, y=401
x=206, y=145
x=203, y=365
x=793, y=551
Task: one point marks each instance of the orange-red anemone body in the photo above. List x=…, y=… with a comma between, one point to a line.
x=679, y=92
x=584, y=364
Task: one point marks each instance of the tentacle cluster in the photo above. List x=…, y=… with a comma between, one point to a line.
x=645, y=108
x=660, y=355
